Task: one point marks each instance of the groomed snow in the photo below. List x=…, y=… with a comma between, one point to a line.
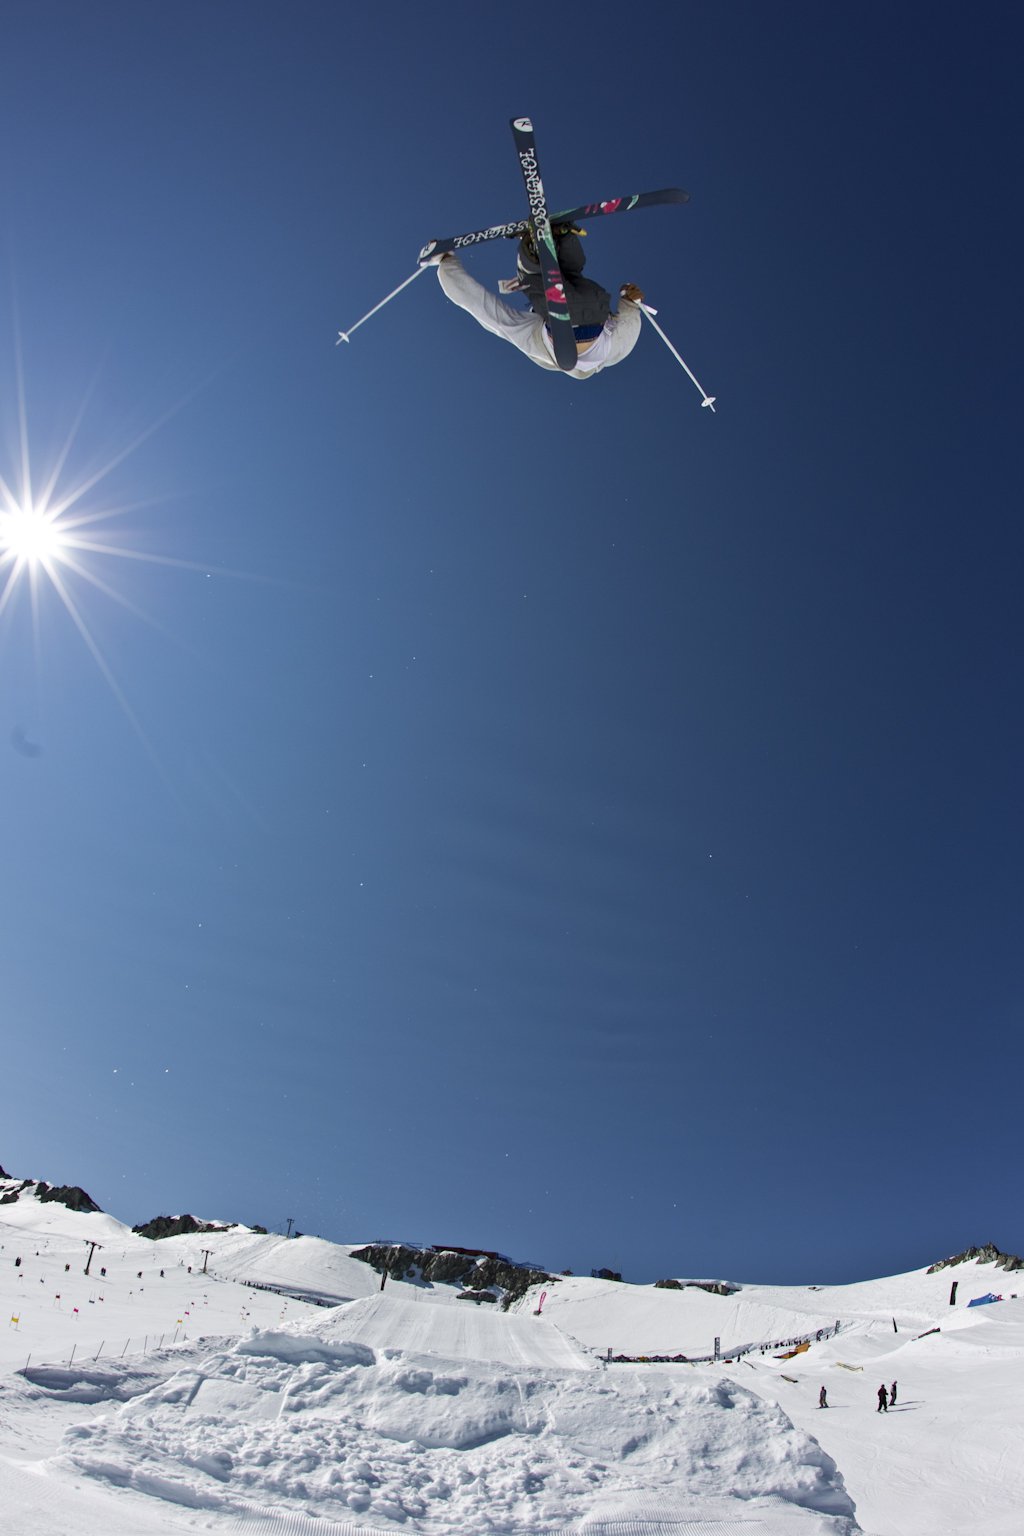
x=190, y=1401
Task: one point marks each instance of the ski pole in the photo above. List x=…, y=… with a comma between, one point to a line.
x=708, y=400
x=346, y=335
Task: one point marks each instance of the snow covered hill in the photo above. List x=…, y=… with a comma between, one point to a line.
x=151, y=1396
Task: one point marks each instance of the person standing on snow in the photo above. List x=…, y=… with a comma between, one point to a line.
x=883, y=1399
x=823, y=1398
x=892, y=1395
x=602, y=338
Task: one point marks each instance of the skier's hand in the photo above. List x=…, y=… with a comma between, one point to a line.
x=631, y=292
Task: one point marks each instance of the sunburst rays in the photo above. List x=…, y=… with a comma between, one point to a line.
x=59, y=546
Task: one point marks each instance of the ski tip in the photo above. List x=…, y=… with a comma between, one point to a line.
x=427, y=250
x=522, y=124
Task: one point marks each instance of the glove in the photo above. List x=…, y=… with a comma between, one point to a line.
x=631, y=292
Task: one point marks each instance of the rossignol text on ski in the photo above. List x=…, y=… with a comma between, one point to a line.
x=570, y=323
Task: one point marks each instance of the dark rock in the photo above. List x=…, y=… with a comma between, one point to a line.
x=988, y=1253
x=70, y=1195
x=605, y=1274
x=177, y=1226
x=11, y=1195
x=448, y=1268
x=395, y=1260
x=713, y=1287
x=476, y=1296
x=443, y=1266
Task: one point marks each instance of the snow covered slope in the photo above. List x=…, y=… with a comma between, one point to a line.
x=640, y=1319
x=156, y=1398
x=465, y=1332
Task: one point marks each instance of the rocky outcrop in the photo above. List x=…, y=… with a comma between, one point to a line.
x=475, y=1272
x=178, y=1226
x=988, y=1253
x=714, y=1287
x=71, y=1195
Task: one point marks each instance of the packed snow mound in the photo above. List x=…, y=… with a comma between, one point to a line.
x=457, y=1333
x=334, y=1429
x=300, y=1265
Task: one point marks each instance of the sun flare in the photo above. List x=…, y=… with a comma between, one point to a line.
x=59, y=544
x=30, y=535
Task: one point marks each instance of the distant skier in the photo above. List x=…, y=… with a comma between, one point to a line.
x=883, y=1399
x=892, y=1395
x=602, y=338
x=823, y=1398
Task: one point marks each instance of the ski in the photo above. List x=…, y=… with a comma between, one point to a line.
x=556, y=302
x=569, y=216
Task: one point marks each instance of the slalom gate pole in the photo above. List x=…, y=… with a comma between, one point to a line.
x=346, y=335
x=708, y=400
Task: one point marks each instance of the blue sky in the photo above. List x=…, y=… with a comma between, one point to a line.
x=549, y=817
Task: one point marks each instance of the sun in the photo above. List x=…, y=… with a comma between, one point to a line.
x=30, y=536
x=58, y=544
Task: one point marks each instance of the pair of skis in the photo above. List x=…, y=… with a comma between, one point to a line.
x=540, y=221
x=566, y=216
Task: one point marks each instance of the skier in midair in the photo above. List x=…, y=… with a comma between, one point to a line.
x=602, y=338
x=570, y=327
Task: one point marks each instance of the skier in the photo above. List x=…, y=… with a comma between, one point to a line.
x=883, y=1399
x=823, y=1398
x=892, y=1395
x=601, y=337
